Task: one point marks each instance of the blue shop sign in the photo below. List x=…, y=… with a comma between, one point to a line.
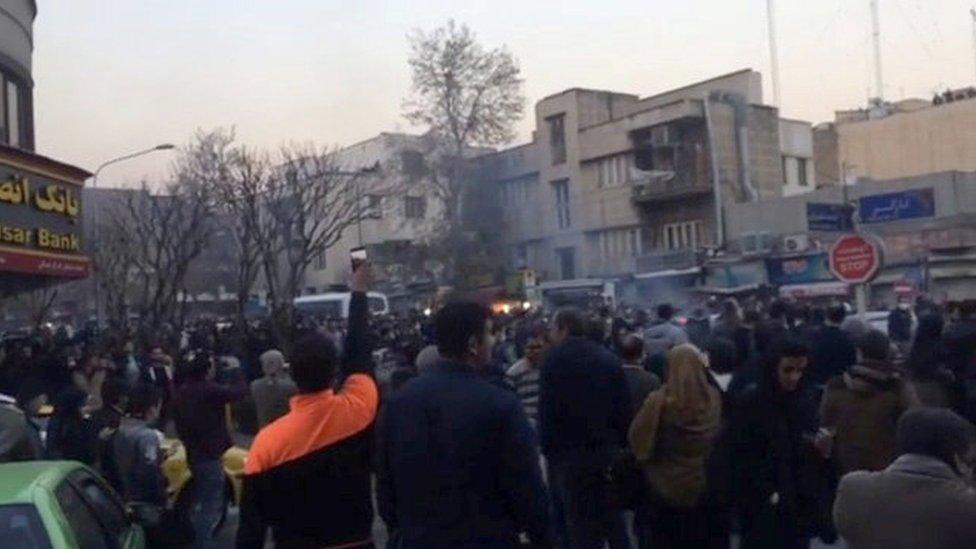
x=802, y=269
x=910, y=204
x=828, y=217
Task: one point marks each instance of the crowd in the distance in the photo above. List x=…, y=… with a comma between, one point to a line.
x=770, y=423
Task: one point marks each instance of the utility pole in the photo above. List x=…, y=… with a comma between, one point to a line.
x=773, y=51
x=876, y=35
x=972, y=13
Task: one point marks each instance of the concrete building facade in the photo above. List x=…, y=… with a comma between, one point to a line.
x=16, y=84
x=613, y=184
x=398, y=226
x=905, y=139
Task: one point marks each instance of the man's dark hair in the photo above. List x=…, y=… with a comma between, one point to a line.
x=836, y=314
x=570, y=319
x=874, y=345
x=456, y=323
x=778, y=310
x=967, y=309
x=665, y=311
x=196, y=364
x=631, y=348
x=935, y=432
x=142, y=397
x=596, y=330
x=30, y=388
x=313, y=362
x=114, y=390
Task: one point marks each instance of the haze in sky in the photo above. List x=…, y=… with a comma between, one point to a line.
x=114, y=76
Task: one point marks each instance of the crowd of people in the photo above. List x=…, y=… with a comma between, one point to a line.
x=772, y=423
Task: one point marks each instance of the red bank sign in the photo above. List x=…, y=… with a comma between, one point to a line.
x=856, y=258
x=43, y=264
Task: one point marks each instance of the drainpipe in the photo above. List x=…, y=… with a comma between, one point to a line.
x=716, y=180
x=741, y=110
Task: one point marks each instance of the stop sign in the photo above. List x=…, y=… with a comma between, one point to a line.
x=855, y=258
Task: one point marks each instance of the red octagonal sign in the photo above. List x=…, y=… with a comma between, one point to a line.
x=855, y=258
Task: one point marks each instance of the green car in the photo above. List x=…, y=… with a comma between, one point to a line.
x=62, y=504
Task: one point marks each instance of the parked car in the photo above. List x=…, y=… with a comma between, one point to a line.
x=62, y=504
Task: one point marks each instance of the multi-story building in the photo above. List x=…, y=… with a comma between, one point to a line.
x=41, y=207
x=614, y=184
x=903, y=139
x=398, y=225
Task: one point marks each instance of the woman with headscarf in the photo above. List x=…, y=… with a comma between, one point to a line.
x=926, y=365
x=672, y=437
x=70, y=435
x=777, y=479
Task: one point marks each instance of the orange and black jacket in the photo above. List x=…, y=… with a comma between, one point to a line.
x=307, y=475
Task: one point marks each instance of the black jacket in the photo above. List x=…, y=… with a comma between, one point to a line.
x=832, y=352
x=584, y=402
x=457, y=464
x=778, y=484
x=307, y=475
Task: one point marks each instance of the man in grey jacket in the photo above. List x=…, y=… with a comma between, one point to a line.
x=272, y=392
x=925, y=499
x=664, y=334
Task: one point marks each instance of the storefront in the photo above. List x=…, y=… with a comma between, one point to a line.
x=40, y=222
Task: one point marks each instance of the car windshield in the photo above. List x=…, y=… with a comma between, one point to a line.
x=21, y=528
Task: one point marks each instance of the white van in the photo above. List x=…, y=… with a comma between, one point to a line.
x=336, y=304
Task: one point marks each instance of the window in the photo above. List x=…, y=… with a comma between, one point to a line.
x=412, y=163
x=414, y=207
x=105, y=505
x=567, y=263
x=801, y=172
x=561, y=189
x=520, y=256
x=620, y=243
x=688, y=234
x=21, y=527
x=13, y=114
x=613, y=170
x=320, y=261
x=374, y=206
x=83, y=523
x=557, y=138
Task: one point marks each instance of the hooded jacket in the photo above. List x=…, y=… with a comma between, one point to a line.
x=862, y=407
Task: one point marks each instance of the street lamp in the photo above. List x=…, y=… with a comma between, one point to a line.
x=95, y=209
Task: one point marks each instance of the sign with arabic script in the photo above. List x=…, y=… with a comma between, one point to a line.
x=40, y=218
x=829, y=217
x=910, y=204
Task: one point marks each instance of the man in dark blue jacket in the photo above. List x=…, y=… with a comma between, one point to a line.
x=457, y=464
x=584, y=414
x=832, y=350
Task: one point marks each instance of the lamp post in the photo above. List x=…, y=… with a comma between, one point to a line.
x=95, y=209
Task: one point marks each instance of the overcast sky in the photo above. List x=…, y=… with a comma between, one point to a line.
x=113, y=76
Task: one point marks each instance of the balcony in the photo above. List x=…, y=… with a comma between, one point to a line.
x=660, y=186
x=668, y=260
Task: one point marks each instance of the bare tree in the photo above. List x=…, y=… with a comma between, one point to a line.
x=466, y=96
x=114, y=260
x=167, y=230
x=311, y=200
x=243, y=197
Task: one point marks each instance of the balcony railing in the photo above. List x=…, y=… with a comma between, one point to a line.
x=649, y=186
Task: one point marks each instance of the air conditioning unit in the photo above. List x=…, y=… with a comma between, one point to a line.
x=796, y=243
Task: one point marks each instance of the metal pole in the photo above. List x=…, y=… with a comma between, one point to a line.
x=972, y=13
x=716, y=182
x=773, y=51
x=876, y=35
x=96, y=211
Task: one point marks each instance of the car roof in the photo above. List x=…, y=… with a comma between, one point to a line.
x=19, y=481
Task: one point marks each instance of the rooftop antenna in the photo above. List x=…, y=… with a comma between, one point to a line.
x=876, y=34
x=773, y=54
